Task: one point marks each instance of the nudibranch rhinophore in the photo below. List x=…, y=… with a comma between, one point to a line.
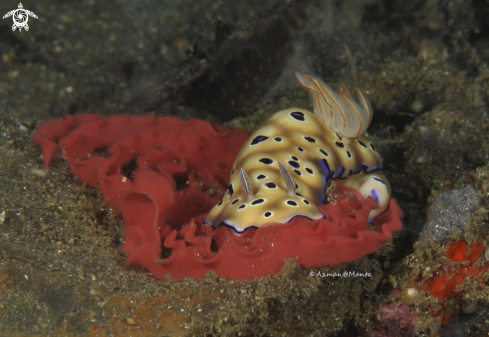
x=292, y=161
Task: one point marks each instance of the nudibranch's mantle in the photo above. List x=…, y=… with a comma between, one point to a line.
x=293, y=160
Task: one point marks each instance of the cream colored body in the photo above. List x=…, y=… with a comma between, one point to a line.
x=326, y=159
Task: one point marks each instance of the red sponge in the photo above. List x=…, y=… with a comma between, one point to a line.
x=165, y=174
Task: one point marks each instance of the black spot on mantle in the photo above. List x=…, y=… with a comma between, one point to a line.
x=298, y=116
x=267, y=161
x=259, y=139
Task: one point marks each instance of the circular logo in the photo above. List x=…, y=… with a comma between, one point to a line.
x=20, y=17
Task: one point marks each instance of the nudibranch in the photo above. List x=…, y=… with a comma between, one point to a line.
x=292, y=161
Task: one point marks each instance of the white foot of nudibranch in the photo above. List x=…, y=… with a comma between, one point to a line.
x=371, y=184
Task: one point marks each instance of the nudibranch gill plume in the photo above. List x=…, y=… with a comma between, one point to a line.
x=292, y=161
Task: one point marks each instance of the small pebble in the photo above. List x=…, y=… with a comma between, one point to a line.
x=409, y=296
x=39, y=172
x=14, y=74
x=131, y=321
x=181, y=44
